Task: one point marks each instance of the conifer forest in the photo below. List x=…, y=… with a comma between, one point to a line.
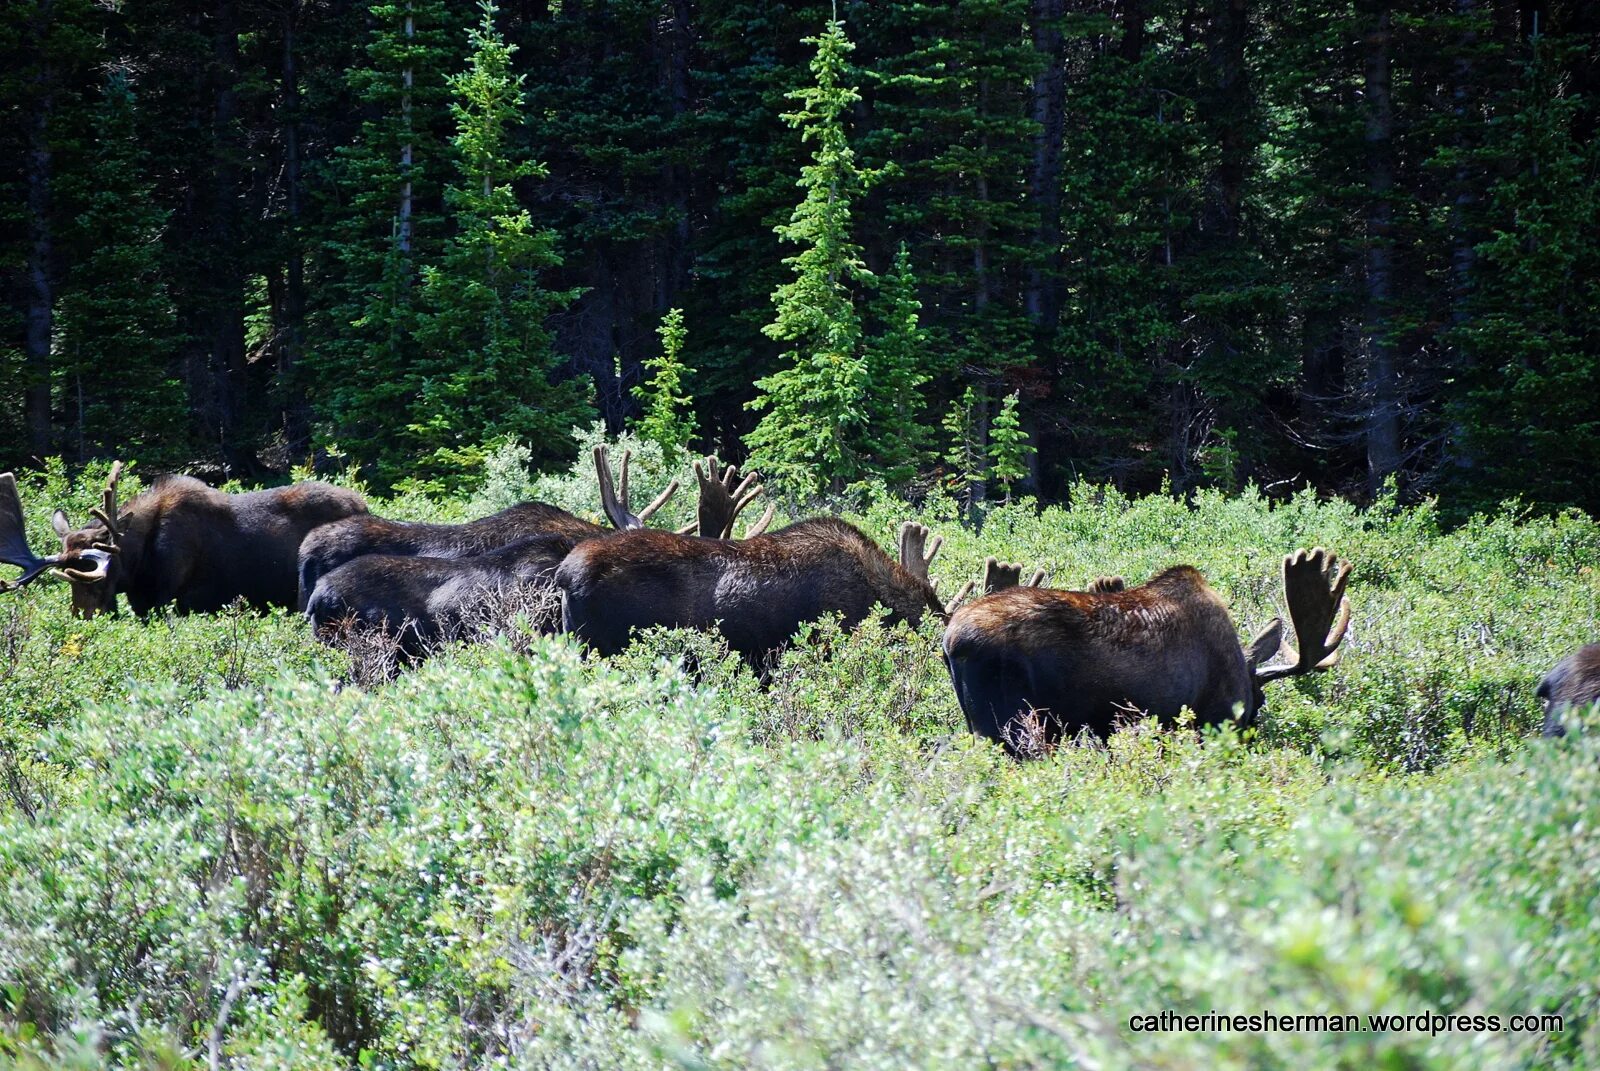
x=999, y=244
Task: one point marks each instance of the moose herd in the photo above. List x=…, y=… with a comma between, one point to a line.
x=1031, y=665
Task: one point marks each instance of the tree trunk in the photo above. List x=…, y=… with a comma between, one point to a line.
x=226, y=312
x=1382, y=387
x=1042, y=301
x=38, y=317
x=291, y=328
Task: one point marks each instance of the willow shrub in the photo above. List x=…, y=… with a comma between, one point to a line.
x=216, y=849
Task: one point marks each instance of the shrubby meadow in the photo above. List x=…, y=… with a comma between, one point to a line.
x=226, y=845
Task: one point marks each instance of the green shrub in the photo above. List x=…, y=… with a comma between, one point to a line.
x=214, y=849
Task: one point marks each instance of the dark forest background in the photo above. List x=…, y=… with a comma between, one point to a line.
x=1209, y=242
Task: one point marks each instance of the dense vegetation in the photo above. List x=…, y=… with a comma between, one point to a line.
x=215, y=848
x=1209, y=241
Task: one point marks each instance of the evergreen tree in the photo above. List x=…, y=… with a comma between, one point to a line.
x=387, y=219
x=1008, y=447
x=668, y=413
x=117, y=339
x=963, y=457
x=1527, y=405
x=897, y=362
x=956, y=136
x=486, y=366
x=816, y=407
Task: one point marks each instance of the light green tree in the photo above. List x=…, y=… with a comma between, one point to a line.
x=1008, y=446
x=964, y=461
x=487, y=366
x=668, y=412
x=815, y=408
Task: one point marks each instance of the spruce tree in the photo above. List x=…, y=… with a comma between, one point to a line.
x=1526, y=408
x=385, y=220
x=668, y=413
x=897, y=360
x=963, y=457
x=116, y=380
x=486, y=363
x=1008, y=447
x=810, y=436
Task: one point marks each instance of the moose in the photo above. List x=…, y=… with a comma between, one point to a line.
x=1032, y=666
x=180, y=542
x=755, y=592
x=420, y=600
x=1573, y=682
x=335, y=544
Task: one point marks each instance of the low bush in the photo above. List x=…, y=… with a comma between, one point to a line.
x=217, y=850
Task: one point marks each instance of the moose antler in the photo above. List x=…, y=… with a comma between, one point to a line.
x=616, y=505
x=999, y=575
x=721, y=501
x=14, y=549
x=1106, y=585
x=1313, y=584
x=107, y=510
x=917, y=551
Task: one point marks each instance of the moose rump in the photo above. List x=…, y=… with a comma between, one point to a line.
x=1069, y=661
x=1075, y=659
x=755, y=592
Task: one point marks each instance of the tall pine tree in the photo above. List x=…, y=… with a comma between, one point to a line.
x=486, y=368
x=810, y=436
x=117, y=379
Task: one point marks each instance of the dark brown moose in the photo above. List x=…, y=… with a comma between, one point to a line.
x=421, y=600
x=1573, y=682
x=756, y=592
x=1032, y=666
x=180, y=542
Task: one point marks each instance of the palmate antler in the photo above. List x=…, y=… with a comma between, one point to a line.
x=999, y=575
x=1313, y=583
x=615, y=505
x=14, y=549
x=918, y=547
x=721, y=501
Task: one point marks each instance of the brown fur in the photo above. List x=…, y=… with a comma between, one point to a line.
x=755, y=592
x=333, y=545
x=1573, y=682
x=419, y=601
x=1083, y=658
x=187, y=543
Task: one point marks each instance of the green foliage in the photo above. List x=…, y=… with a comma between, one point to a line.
x=809, y=437
x=202, y=837
x=1526, y=423
x=897, y=369
x=486, y=364
x=964, y=455
x=118, y=333
x=669, y=412
x=1008, y=446
x=362, y=352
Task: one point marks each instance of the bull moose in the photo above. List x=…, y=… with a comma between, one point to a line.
x=1573, y=682
x=422, y=599
x=755, y=592
x=1059, y=662
x=335, y=544
x=180, y=542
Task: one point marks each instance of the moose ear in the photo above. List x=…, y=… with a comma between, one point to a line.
x=59, y=522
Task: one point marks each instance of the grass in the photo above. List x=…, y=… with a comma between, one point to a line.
x=217, y=850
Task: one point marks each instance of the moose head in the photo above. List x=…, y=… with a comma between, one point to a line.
x=88, y=558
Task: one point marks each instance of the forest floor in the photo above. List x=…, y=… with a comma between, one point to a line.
x=218, y=847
